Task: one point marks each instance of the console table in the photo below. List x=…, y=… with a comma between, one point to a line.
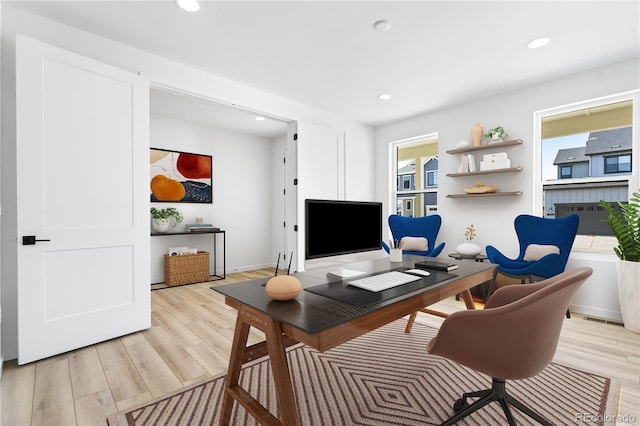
x=215, y=276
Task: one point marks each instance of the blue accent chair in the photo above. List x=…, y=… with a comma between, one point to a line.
x=559, y=232
x=427, y=227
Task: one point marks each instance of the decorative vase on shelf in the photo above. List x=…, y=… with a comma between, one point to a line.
x=161, y=225
x=468, y=249
x=476, y=134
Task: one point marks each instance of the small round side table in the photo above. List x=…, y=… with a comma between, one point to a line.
x=482, y=287
x=478, y=257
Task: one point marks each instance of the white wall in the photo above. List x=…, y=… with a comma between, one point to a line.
x=166, y=73
x=1, y=351
x=242, y=184
x=493, y=217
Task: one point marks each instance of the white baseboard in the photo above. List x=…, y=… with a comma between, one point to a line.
x=596, y=313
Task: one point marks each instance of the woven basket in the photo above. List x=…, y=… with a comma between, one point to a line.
x=186, y=268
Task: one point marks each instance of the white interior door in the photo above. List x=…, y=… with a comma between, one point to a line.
x=82, y=168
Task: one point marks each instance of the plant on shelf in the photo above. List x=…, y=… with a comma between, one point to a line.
x=625, y=225
x=162, y=218
x=496, y=134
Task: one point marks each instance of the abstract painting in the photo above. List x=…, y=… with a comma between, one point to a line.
x=180, y=177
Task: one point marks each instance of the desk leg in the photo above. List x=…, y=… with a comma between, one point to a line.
x=239, y=344
x=281, y=373
x=279, y=368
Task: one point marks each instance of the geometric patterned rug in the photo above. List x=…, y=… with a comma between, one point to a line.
x=385, y=377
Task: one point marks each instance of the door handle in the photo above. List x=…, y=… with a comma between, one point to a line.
x=29, y=240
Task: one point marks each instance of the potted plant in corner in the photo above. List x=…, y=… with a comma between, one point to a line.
x=162, y=218
x=626, y=228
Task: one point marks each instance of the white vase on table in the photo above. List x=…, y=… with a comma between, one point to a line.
x=468, y=249
x=161, y=225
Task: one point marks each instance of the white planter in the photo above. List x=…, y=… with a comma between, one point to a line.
x=629, y=294
x=161, y=225
x=468, y=249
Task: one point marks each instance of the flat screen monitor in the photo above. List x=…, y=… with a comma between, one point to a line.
x=340, y=227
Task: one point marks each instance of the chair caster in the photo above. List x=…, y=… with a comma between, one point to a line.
x=460, y=405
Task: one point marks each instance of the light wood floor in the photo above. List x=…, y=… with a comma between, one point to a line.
x=190, y=341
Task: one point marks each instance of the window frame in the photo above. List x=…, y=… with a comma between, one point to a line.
x=431, y=176
x=562, y=174
x=617, y=170
x=632, y=180
x=393, y=172
x=405, y=181
x=537, y=181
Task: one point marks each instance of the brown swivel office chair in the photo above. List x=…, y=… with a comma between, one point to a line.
x=513, y=337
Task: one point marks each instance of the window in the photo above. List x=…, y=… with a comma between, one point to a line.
x=432, y=179
x=565, y=172
x=405, y=183
x=584, y=154
x=415, y=168
x=617, y=164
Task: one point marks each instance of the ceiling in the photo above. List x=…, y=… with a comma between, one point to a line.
x=326, y=53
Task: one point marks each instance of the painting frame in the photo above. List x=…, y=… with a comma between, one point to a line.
x=180, y=177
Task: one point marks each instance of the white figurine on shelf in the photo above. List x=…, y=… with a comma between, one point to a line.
x=464, y=164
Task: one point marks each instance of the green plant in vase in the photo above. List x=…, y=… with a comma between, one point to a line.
x=497, y=134
x=625, y=225
x=162, y=218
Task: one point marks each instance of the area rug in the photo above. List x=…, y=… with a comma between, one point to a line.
x=385, y=377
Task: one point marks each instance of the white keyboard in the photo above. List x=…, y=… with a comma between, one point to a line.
x=384, y=281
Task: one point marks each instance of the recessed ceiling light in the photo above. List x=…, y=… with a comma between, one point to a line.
x=259, y=118
x=384, y=96
x=538, y=42
x=381, y=25
x=189, y=5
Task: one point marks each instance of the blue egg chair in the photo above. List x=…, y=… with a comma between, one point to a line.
x=427, y=227
x=545, y=244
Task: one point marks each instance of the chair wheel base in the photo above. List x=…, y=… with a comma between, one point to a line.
x=460, y=405
x=498, y=392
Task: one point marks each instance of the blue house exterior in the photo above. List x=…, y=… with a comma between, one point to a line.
x=606, y=159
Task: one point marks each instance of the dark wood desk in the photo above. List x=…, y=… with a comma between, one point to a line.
x=319, y=322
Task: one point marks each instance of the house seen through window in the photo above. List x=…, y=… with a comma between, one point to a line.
x=586, y=157
x=416, y=171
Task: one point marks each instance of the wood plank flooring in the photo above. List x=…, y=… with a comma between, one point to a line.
x=190, y=340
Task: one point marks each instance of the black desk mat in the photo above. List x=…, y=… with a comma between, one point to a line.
x=342, y=292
